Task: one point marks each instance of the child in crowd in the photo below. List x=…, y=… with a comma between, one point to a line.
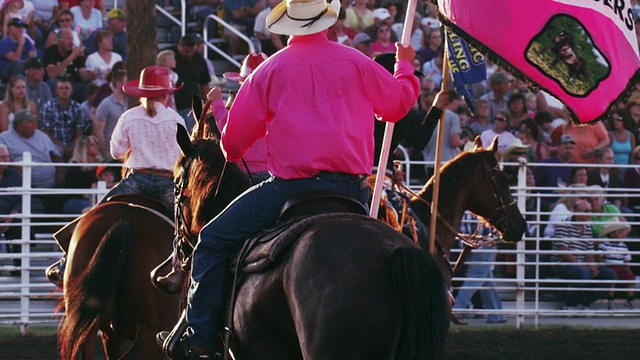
x=166, y=58
x=615, y=255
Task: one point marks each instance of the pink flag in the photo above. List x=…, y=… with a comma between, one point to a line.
x=583, y=52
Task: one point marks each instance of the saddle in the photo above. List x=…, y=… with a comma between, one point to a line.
x=264, y=248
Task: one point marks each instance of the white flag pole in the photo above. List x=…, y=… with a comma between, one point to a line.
x=388, y=131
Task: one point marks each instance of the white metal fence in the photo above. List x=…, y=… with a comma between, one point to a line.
x=27, y=298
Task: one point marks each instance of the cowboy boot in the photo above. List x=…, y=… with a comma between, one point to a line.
x=174, y=281
x=175, y=344
x=55, y=272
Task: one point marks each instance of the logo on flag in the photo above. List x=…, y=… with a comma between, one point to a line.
x=584, y=53
x=467, y=65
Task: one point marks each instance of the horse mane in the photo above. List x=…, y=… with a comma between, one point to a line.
x=207, y=197
x=452, y=172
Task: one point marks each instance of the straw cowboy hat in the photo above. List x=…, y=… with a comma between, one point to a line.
x=515, y=144
x=154, y=81
x=302, y=17
x=615, y=225
x=250, y=63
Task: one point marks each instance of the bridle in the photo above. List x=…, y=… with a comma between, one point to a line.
x=186, y=239
x=474, y=241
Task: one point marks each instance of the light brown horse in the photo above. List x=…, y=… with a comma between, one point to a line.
x=107, y=286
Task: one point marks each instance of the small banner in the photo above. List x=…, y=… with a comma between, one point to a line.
x=583, y=52
x=467, y=65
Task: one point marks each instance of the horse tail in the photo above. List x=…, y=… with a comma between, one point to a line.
x=94, y=290
x=421, y=285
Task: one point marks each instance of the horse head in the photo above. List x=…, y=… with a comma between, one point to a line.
x=205, y=183
x=490, y=195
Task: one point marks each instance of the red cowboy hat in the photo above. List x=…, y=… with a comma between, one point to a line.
x=154, y=81
x=249, y=64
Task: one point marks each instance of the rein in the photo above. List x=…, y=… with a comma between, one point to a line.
x=471, y=241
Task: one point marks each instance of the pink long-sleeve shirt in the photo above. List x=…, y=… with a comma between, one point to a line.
x=315, y=102
x=256, y=156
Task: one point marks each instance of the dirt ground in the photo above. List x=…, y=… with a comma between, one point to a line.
x=504, y=343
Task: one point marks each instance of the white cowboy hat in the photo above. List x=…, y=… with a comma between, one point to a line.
x=302, y=17
x=515, y=144
x=615, y=225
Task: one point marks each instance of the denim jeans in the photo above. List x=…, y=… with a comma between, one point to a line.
x=157, y=187
x=490, y=298
x=257, y=208
x=578, y=272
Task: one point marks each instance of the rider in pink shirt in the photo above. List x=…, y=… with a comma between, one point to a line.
x=313, y=102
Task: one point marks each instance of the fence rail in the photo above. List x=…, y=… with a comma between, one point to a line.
x=27, y=298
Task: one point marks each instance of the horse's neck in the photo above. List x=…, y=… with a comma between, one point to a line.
x=450, y=209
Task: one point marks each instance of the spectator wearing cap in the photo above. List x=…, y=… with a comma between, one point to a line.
x=14, y=50
x=104, y=59
x=19, y=9
x=499, y=82
x=193, y=73
x=37, y=90
x=269, y=42
x=87, y=18
x=117, y=25
x=359, y=17
x=340, y=33
x=65, y=60
x=15, y=99
x=512, y=154
x=242, y=15
x=381, y=17
x=62, y=118
x=430, y=20
x=589, y=139
x=362, y=42
x=27, y=138
x=64, y=21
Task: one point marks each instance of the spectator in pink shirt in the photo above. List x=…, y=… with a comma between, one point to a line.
x=313, y=102
x=383, y=43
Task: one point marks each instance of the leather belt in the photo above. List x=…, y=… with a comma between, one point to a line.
x=154, y=172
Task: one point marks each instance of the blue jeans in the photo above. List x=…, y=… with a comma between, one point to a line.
x=490, y=298
x=257, y=208
x=577, y=272
x=157, y=187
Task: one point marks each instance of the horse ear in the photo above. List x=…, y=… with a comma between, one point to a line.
x=184, y=142
x=494, y=145
x=477, y=142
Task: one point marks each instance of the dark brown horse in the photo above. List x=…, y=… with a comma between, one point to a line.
x=351, y=286
x=107, y=286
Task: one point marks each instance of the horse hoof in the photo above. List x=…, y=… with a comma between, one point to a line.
x=172, y=283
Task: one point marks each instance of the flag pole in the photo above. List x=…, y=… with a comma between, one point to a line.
x=388, y=130
x=436, y=168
